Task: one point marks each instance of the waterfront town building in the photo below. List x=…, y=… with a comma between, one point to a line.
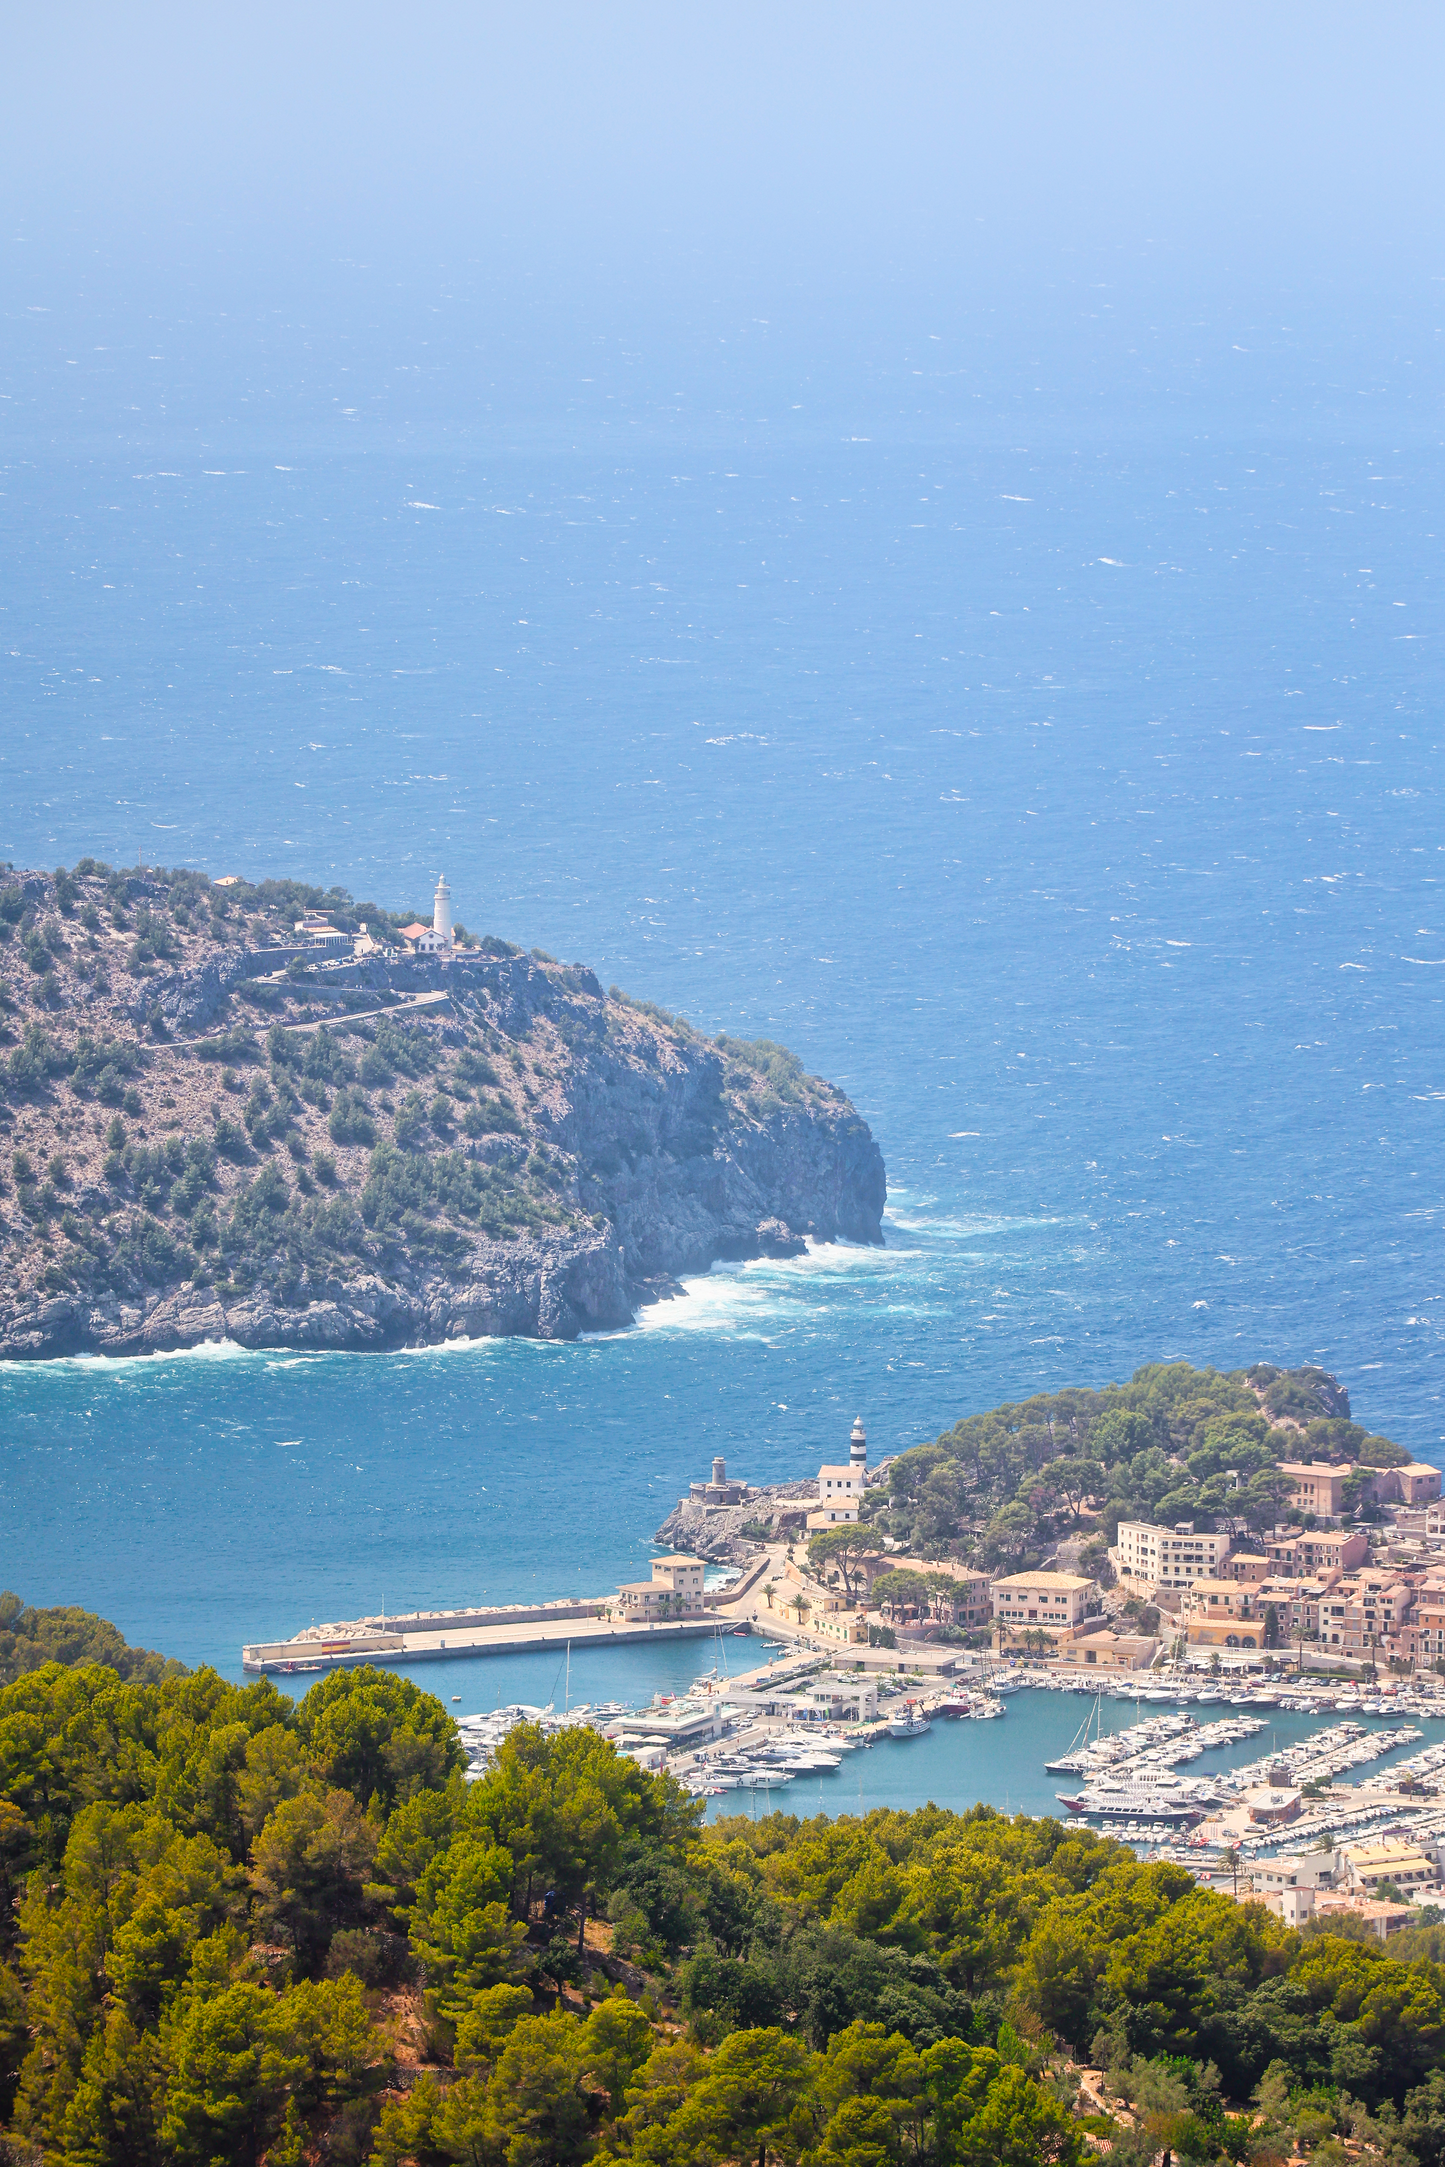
x=1108, y=1651
x=1163, y=1557
x=1360, y=1612
x=970, y=1595
x=1426, y=1631
x=1317, y=1885
x=674, y=1591
x=1317, y=1550
x=1410, y=1864
x=1295, y=1603
x=1414, y=1486
x=424, y=940
x=318, y=932
x=1323, y=1488
x=1052, y=1603
x=1223, y=1614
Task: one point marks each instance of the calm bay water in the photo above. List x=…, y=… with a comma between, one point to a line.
x=1076, y=809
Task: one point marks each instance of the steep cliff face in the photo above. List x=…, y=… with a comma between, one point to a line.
x=224, y=1139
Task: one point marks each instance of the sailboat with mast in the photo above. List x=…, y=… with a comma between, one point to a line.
x=1076, y=1758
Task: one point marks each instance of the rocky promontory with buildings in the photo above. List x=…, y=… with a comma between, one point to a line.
x=262, y=1113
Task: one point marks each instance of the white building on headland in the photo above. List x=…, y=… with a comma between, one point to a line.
x=316, y=928
x=438, y=938
x=840, y=1489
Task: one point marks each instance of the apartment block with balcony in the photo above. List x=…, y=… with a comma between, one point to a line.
x=1054, y=1603
x=1164, y=1557
x=1317, y=1551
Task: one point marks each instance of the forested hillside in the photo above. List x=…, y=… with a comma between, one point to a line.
x=1174, y=1443
x=237, y=1928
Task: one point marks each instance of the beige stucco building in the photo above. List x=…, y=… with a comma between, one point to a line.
x=674, y=1591
x=1166, y=1557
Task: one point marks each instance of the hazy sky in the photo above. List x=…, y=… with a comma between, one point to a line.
x=776, y=135
x=828, y=170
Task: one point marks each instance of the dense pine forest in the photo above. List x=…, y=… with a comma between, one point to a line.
x=240, y=1928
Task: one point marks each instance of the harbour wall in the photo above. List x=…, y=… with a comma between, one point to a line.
x=447, y=1621
x=282, y=1655
x=484, y=1616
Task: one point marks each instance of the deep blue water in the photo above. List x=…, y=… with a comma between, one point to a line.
x=1076, y=808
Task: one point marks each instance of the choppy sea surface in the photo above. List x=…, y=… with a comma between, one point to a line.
x=1076, y=809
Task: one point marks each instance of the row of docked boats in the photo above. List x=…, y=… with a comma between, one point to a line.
x=980, y=1707
x=1131, y=1775
x=480, y=1735
x=767, y=1764
x=1407, y=1700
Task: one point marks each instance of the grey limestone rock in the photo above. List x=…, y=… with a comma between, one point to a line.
x=668, y=1151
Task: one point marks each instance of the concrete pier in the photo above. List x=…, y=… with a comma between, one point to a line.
x=586, y=1632
x=509, y=1629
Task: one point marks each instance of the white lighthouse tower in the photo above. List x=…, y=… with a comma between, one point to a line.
x=442, y=910
x=858, y=1445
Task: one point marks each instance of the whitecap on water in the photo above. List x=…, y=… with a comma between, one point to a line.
x=921, y=1221
x=745, y=1298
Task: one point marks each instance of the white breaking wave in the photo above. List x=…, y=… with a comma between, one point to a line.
x=209, y=1350
x=746, y=1298
x=922, y=1221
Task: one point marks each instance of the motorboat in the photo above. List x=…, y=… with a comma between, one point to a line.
x=1177, y=1811
x=987, y=1711
x=911, y=1724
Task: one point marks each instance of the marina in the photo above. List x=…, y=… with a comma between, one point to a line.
x=768, y=1756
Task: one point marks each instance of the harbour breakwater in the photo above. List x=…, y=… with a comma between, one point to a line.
x=493, y=1629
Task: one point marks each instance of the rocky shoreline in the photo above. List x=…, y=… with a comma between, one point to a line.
x=721, y=1533
x=490, y=1147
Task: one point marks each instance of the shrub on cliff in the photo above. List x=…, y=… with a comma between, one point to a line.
x=350, y=1120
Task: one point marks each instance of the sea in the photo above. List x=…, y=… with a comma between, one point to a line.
x=1067, y=790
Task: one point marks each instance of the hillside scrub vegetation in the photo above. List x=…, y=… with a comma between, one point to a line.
x=200, y=1114
x=241, y=1928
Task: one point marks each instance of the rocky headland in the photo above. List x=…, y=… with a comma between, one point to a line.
x=214, y=1129
x=729, y=1534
